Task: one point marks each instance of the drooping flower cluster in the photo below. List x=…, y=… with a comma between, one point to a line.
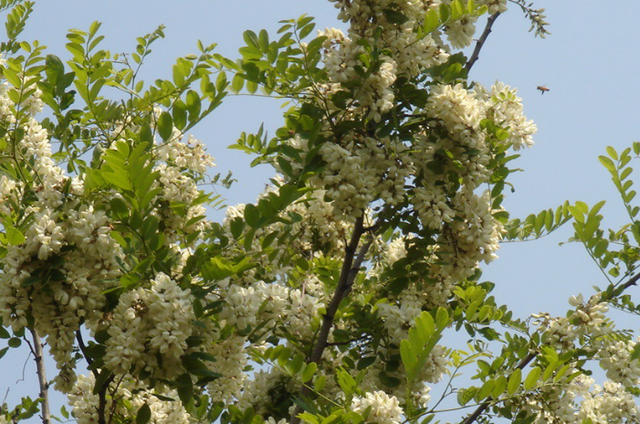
x=149, y=329
x=63, y=257
x=84, y=401
x=382, y=408
x=616, y=359
x=583, y=401
x=588, y=319
x=57, y=273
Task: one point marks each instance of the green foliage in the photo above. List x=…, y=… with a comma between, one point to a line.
x=538, y=225
x=423, y=337
x=450, y=12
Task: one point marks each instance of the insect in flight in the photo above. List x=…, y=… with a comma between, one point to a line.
x=543, y=89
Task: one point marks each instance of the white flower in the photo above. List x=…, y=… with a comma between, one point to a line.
x=385, y=409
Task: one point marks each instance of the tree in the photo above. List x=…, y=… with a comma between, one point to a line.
x=325, y=300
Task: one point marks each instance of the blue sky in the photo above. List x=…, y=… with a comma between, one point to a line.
x=590, y=64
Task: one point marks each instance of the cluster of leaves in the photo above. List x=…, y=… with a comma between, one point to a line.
x=111, y=143
x=447, y=13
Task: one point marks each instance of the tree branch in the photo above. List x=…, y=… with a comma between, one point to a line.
x=102, y=392
x=483, y=38
x=617, y=291
x=42, y=378
x=525, y=361
x=350, y=268
x=342, y=289
x=484, y=405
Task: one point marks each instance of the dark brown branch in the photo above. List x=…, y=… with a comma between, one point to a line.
x=617, y=291
x=45, y=412
x=484, y=405
x=342, y=289
x=483, y=38
x=102, y=392
x=83, y=349
x=350, y=268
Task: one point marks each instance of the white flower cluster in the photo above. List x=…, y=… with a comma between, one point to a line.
x=495, y=6
x=616, y=359
x=231, y=360
x=383, y=409
x=68, y=257
x=460, y=33
x=149, y=328
x=583, y=401
x=269, y=306
x=588, y=318
x=505, y=108
x=609, y=404
x=189, y=155
x=126, y=401
x=360, y=170
x=180, y=190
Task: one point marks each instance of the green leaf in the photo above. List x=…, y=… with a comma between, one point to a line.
x=308, y=372
x=466, y=395
x=263, y=40
x=14, y=342
x=118, y=180
x=415, y=350
x=442, y=318
x=14, y=236
x=486, y=390
x=431, y=21
x=185, y=389
x=501, y=385
x=165, y=125
x=144, y=414
x=346, y=382
x=407, y=354
x=306, y=30
x=250, y=38
x=237, y=83
x=320, y=382
x=532, y=378
x=218, y=268
x=252, y=215
x=607, y=163
x=194, y=105
x=514, y=381
x=367, y=361
x=179, y=114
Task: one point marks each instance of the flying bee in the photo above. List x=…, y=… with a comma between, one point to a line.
x=543, y=89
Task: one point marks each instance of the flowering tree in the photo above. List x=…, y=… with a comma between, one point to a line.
x=325, y=300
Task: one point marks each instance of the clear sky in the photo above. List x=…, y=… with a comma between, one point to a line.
x=590, y=64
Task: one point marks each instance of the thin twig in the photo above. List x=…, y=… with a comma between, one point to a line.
x=42, y=378
x=525, y=361
x=484, y=405
x=483, y=38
